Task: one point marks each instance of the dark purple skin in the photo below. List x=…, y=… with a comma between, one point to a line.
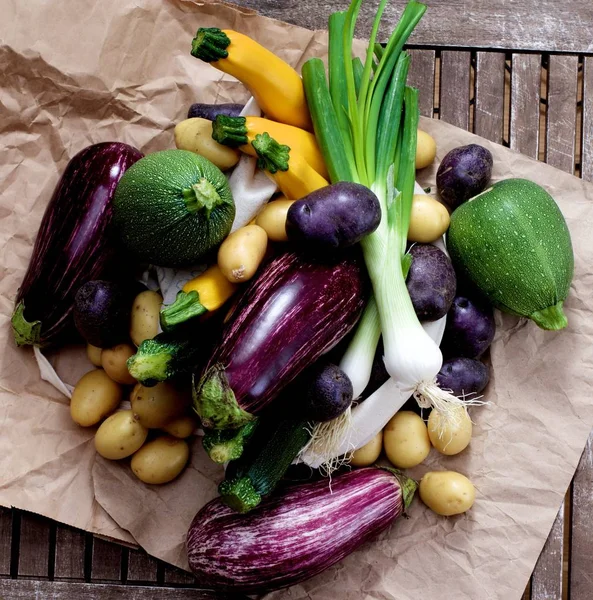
x=102, y=313
x=74, y=244
x=463, y=173
x=294, y=534
x=335, y=216
x=326, y=392
x=470, y=328
x=210, y=111
x=431, y=282
x=463, y=376
x=379, y=374
x=294, y=310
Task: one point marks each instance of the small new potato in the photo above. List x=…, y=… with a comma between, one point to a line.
x=450, y=434
x=429, y=219
x=406, y=440
x=195, y=135
x=241, y=253
x=272, y=219
x=369, y=453
x=94, y=397
x=94, y=354
x=157, y=406
x=161, y=460
x=120, y=436
x=447, y=492
x=144, y=323
x=181, y=427
x=114, y=361
x=426, y=150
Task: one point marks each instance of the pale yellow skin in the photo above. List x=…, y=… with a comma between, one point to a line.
x=181, y=427
x=405, y=440
x=447, y=492
x=195, y=135
x=272, y=218
x=94, y=354
x=144, y=323
x=450, y=435
x=426, y=150
x=429, y=219
x=161, y=460
x=369, y=453
x=241, y=253
x=120, y=436
x=156, y=406
x=113, y=360
x=95, y=396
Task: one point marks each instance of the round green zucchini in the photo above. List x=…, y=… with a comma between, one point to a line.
x=173, y=207
x=513, y=243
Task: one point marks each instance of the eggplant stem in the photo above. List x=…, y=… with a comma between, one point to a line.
x=25, y=333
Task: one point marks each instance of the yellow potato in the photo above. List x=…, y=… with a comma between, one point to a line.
x=156, y=406
x=447, y=492
x=195, y=135
x=369, y=453
x=161, y=460
x=429, y=219
x=272, y=219
x=120, y=435
x=94, y=354
x=426, y=150
x=95, y=396
x=144, y=324
x=450, y=434
x=405, y=440
x=181, y=427
x=241, y=253
x=114, y=361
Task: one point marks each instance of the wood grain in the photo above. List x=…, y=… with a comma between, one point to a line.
x=454, y=103
x=70, y=551
x=106, y=565
x=179, y=576
x=587, y=149
x=562, y=111
x=141, y=567
x=5, y=541
x=489, y=111
x=421, y=76
x=542, y=25
x=525, y=100
x=34, y=546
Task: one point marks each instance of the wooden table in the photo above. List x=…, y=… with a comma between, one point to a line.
x=517, y=73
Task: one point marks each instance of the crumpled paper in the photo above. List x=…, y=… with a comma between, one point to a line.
x=77, y=72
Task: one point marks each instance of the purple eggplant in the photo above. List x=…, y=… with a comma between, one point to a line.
x=74, y=243
x=296, y=533
x=293, y=311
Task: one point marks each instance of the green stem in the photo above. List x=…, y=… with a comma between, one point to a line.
x=210, y=44
x=230, y=131
x=202, y=195
x=186, y=306
x=26, y=333
x=273, y=157
x=227, y=444
x=551, y=318
x=239, y=494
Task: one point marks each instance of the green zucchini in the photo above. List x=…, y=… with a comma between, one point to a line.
x=513, y=243
x=270, y=450
x=173, y=208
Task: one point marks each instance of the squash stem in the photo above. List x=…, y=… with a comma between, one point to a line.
x=230, y=131
x=187, y=305
x=202, y=196
x=273, y=157
x=210, y=44
x=239, y=494
x=551, y=318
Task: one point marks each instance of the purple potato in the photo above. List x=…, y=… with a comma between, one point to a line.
x=211, y=111
x=463, y=376
x=431, y=282
x=470, y=328
x=328, y=392
x=463, y=173
x=335, y=216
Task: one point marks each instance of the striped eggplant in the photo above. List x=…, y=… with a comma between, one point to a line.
x=296, y=533
x=294, y=310
x=73, y=244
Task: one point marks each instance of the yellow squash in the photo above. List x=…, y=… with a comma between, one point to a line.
x=276, y=86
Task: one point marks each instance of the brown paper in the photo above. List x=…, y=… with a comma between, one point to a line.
x=76, y=72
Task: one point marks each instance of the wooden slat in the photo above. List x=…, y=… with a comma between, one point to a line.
x=587, y=152
x=455, y=77
x=174, y=575
x=489, y=115
x=562, y=111
x=34, y=546
x=69, y=559
x=546, y=582
x=581, y=565
x=525, y=100
x=106, y=565
x=141, y=567
x=5, y=541
x=421, y=76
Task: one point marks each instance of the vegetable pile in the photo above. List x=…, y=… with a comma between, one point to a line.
x=345, y=327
